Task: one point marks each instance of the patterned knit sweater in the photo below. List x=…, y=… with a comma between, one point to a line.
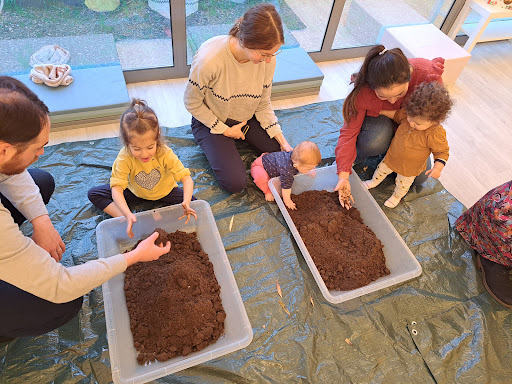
x=219, y=87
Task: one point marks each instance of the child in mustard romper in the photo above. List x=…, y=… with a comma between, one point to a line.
x=419, y=134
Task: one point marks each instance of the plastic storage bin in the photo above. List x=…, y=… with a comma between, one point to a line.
x=399, y=259
x=112, y=239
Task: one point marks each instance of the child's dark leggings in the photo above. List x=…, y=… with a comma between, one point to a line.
x=24, y=314
x=101, y=196
x=223, y=156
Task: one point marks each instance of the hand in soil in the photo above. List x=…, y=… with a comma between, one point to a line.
x=187, y=211
x=344, y=194
x=130, y=218
x=290, y=204
x=147, y=250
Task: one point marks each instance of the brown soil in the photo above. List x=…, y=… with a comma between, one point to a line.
x=174, y=302
x=346, y=252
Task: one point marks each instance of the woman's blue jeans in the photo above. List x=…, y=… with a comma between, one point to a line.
x=374, y=139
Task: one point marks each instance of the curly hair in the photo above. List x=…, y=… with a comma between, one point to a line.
x=429, y=101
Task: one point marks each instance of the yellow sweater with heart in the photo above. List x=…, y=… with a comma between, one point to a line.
x=152, y=180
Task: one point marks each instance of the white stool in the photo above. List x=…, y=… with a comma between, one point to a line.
x=485, y=30
x=428, y=42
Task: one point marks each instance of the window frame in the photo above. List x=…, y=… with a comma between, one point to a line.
x=180, y=69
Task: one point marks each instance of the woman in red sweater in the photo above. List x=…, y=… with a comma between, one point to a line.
x=385, y=79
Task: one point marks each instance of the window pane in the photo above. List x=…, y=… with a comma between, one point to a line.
x=304, y=21
x=140, y=28
x=363, y=21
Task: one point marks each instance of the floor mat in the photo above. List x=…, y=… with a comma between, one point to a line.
x=441, y=327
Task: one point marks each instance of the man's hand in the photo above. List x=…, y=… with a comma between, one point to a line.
x=147, y=250
x=46, y=236
x=235, y=131
x=344, y=194
x=130, y=219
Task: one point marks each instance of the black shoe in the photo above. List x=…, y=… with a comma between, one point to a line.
x=497, y=280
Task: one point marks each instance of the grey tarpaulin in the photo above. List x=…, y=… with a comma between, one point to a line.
x=441, y=327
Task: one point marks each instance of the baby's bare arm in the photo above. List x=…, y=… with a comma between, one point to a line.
x=287, y=198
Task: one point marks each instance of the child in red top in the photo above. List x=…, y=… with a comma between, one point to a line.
x=384, y=80
x=418, y=135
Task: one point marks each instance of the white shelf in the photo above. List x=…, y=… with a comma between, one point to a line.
x=496, y=30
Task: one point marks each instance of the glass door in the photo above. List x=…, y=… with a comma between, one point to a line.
x=362, y=22
x=157, y=39
x=304, y=21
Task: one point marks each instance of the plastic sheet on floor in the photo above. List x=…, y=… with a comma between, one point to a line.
x=441, y=327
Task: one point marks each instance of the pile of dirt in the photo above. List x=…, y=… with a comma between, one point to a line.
x=174, y=302
x=346, y=252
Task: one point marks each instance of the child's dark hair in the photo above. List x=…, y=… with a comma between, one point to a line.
x=381, y=69
x=429, y=101
x=309, y=149
x=259, y=28
x=139, y=119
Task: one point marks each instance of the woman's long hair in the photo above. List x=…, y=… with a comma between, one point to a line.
x=381, y=69
x=259, y=28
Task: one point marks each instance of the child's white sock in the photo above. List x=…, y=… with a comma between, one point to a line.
x=378, y=176
x=369, y=184
x=393, y=201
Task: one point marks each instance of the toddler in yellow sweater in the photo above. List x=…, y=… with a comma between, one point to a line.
x=145, y=169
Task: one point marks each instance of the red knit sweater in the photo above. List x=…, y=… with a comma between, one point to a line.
x=368, y=104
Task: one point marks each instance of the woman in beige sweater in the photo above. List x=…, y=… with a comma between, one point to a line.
x=228, y=94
